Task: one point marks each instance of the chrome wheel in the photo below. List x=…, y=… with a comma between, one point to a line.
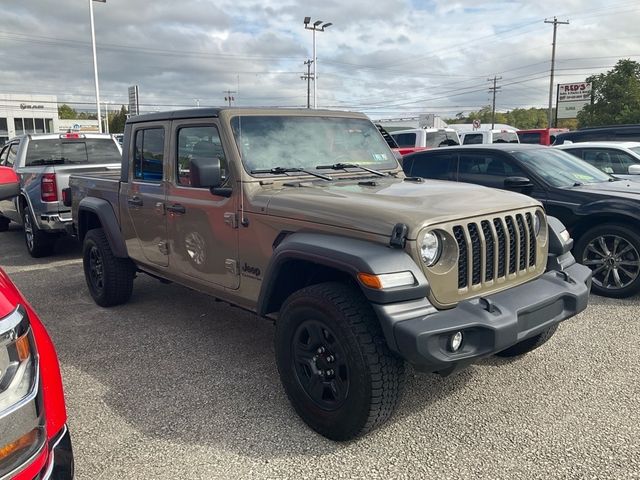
x=28, y=230
x=614, y=260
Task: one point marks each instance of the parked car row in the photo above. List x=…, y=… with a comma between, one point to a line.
x=34, y=439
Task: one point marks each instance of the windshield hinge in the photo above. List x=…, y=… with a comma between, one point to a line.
x=231, y=219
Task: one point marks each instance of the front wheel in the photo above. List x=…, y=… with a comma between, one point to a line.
x=109, y=278
x=334, y=363
x=612, y=252
x=39, y=243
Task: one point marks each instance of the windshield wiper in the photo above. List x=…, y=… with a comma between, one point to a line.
x=285, y=170
x=47, y=161
x=344, y=166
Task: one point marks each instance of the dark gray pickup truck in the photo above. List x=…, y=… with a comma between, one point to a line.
x=305, y=217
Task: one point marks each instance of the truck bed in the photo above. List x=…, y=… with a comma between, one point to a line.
x=105, y=185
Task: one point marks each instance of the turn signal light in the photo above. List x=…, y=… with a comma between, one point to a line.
x=21, y=443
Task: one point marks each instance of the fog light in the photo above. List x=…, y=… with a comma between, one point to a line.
x=455, y=342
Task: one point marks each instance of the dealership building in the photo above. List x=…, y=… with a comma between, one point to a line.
x=21, y=113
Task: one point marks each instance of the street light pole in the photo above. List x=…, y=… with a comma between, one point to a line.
x=95, y=64
x=318, y=26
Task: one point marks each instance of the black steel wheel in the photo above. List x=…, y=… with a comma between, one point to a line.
x=109, y=278
x=320, y=364
x=612, y=252
x=334, y=363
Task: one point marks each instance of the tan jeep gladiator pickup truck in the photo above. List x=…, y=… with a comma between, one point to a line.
x=306, y=218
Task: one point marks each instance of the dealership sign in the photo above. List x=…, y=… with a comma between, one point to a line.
x=571, y=98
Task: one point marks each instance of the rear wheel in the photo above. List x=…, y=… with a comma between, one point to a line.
x=334, y=363
x=39, y=244
x=109, y=278
x=612, y=252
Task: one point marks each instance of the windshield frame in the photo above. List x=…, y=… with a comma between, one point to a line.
x=566, y=156
x=390, y=164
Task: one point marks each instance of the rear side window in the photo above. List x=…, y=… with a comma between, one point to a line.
x=12, y=154
x=405, y=140
x=148, y=157
x=55, y=151
x=472, y=138
x=505, y=137
x=435, y=166
x=534, y=138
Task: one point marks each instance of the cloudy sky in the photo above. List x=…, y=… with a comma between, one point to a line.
x=390, y=59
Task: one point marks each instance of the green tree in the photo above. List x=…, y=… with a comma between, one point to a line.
x=66, y=112
x=616, y=96
x=117, y=120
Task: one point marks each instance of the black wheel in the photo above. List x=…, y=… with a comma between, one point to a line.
x=39, y=244
x=109, y=278
x=334, y=363
x=529, y=344
x=612, y=252
x=4, y=224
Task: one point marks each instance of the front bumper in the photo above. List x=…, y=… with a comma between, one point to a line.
x=60, y=464
x=489, y=324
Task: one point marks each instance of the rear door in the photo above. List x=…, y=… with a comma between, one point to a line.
x=144, y=195
x=202, y=227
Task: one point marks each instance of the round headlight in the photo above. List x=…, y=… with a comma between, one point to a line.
x=537, y=223
x=430, y=248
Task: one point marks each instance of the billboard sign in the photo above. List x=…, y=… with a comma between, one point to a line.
x=571, y=98
x=133, y=101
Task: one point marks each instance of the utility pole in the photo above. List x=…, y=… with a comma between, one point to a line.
x=95, y=63
x=228, y=97
x=494, y=89
x=318, y=26
x=553, y=61
x=308, y=77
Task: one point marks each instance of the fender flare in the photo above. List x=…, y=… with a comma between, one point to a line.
x=347, y=255
x=104, y=211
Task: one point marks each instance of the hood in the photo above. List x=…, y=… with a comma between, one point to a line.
x=620, y=188
x=377, y=205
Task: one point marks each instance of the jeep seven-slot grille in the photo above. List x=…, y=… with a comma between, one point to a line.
x=490, y=248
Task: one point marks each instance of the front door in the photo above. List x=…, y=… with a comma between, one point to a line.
x=202, y=227
x=145, y=196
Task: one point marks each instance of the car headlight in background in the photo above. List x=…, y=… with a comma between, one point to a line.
x=430, y=248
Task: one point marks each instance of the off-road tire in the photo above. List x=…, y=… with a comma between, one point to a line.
x=529, y=344
x=115, y=285
x=629, y=235
x=39, y=244
x=375, y=374
x=4, y=224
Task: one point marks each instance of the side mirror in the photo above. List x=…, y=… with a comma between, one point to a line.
x=205, y=172
x=634, y=169
x=9, y=183
x=518, y=184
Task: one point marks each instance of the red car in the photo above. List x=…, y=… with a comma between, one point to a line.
x=542, y=136
x=34, y=440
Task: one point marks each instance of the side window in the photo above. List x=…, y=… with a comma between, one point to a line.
x=600, y=158
x=435, y=166
x=201, y=142
x=620, y=161
x=487, y=165
x=3, y=155
x=472, y=138
x=405, y=140
x=12, y=154
x=149, y=154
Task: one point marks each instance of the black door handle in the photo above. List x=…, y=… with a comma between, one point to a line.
x=135, y=201
x=177, y=208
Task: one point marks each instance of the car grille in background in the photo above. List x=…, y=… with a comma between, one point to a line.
x=490, y=248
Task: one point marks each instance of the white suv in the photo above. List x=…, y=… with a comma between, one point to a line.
x=621, y=159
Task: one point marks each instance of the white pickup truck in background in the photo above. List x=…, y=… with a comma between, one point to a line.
x=44, y=162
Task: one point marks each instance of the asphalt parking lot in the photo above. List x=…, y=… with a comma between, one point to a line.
x=175, y=385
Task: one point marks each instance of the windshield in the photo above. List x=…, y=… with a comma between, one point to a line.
x=62, y=151
x=560, y=169
x=266, y=142
x=505, y=137
x=441, y=139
